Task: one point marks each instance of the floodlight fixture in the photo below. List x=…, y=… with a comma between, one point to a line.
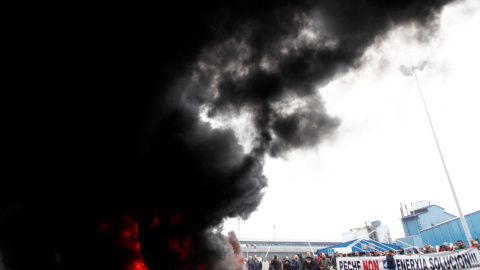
x=422, y=65
x=409, y=71
x=406, y=71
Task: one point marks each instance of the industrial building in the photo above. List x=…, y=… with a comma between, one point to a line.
x=452, y=230
x=429, y=223
x=281, y=247
x=372, y=230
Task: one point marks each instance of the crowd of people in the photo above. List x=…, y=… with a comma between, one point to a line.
x=298, y=262
x=459, y=245
x=325, y=262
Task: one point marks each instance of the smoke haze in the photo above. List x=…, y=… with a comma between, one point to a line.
x=109, y=163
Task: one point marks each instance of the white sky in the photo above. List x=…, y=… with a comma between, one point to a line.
x=384, y=153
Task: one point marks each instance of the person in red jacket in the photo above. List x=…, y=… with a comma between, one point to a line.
x=471, y=241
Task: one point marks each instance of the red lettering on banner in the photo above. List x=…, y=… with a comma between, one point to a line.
x=370, y=265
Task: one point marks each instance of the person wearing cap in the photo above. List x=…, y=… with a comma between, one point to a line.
x=302, y=265
x=390, y=260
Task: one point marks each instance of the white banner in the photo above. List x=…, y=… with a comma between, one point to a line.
x=462, y=259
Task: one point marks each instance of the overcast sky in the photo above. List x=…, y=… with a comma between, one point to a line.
x=384, y=152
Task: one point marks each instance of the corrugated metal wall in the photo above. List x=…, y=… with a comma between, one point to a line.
x=449, y=231
x=452, y=230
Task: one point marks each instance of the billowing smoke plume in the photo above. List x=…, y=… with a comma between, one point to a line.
x=109, y=162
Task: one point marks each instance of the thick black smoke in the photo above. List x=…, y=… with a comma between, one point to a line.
x=102, y=130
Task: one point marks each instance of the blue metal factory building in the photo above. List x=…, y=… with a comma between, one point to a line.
x=429, y=223
x=452, y=230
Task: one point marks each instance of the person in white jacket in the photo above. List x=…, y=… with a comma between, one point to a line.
x=265, y=264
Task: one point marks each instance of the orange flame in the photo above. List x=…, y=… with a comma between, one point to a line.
x=126, y=236
x=237, y=253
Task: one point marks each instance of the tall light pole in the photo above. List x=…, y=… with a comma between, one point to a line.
x=409, y=71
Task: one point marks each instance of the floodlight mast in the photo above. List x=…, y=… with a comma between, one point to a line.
x=408, y=72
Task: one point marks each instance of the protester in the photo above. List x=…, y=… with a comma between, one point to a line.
x=470, y=240
x=432, y=249
x=415, y=250
x=302, y=265
x=426, y=249
x=400, y=251
x=287, y=264
x=309, y=261
x=277, y=265
x=390, y=260
x=448, y=248
x=459, y=245
x=258, y=264
x=476, y=244
x=315, y=260
x=368, y=254
x=294, y=262
x=250, y=263
x=334, y=260
x=357, y=254
x=409, y=252
x=324, y=262
x=422, y=251
x=265, y=264
x=442, y=248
